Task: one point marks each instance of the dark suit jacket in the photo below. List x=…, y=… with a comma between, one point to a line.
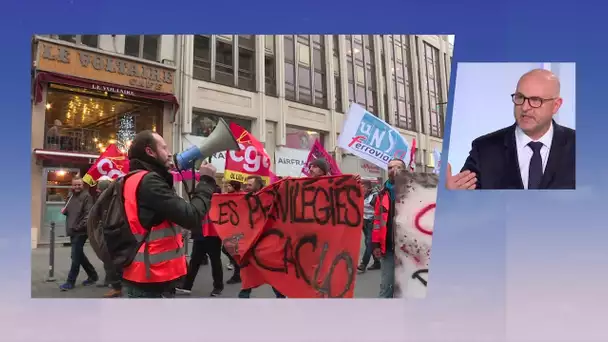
x=493, y=158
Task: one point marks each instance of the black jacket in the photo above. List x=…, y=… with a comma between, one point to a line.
x=493, y=157
x=76, y=212
x=157, y=201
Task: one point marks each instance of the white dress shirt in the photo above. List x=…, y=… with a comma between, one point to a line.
x=524, y=152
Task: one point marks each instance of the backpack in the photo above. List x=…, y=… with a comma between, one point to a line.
x=108, y=228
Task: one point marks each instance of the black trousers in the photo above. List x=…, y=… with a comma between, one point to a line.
x=211, y=246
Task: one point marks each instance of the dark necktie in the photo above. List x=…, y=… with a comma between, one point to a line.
x=536, y=165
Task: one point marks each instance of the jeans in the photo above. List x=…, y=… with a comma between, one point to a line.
x=246, y=293
x=367, y=233
x=212, y=246
x=80, y=259
x=387, y=275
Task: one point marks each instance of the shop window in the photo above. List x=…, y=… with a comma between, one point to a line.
x=84, y=39
x=143, y=46
x=302, y=139
x=80, y=120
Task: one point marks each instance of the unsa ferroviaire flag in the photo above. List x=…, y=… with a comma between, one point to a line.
x=112, y=163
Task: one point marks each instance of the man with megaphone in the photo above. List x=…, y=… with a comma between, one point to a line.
x=157, y=210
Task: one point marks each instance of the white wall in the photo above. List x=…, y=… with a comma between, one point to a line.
x=482, y=101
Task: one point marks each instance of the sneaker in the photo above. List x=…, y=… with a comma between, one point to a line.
x=229, y=267
x=89, y=282
x=216, y=292
x=361, y=269
x=66, y=287
x=113, y=293
x=234, y=280
x=182, y=291
x=375, y=266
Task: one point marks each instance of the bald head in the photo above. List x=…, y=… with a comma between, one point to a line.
x=536, y=101
x=544, y=78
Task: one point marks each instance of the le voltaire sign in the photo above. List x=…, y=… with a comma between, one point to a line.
x=71, y=61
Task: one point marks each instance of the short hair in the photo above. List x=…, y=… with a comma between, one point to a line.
x=143, y=139
x=236, y=185
x=258, y=181
x=399, y=160
x=76, y=178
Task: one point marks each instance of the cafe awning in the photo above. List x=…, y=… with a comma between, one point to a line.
x=49, y=77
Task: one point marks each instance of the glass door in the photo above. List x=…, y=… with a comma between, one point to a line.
x=55, y=193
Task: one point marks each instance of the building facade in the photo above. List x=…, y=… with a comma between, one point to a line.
x=89, y=91
x=289, y=90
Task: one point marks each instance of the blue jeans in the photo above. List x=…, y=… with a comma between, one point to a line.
x=246, y=293
x=367, y=233
x=387, y=275
x=80, y=259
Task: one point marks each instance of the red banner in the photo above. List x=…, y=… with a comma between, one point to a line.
x=112, y=163
x=250, y=160
x=318, y=152
x=300, y=235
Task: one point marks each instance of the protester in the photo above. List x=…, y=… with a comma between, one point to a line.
x=152, y=205
x=318, y=168
x=368, y=222
x=232, y=187
x=255, y=184
x=382, y=232
x=207, y=243
x=113, y=277
x=76, y=211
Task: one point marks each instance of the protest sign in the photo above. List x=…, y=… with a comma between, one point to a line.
x=318, y=152
x=370, y=138
x=416, y=196
x=250, y=160
x=112, y=163
x=300, y=235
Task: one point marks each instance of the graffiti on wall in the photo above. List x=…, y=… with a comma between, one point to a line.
x=414, y=221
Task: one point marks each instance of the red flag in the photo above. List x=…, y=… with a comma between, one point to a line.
x=112, y=163
x=250, y=160
x=318, y=152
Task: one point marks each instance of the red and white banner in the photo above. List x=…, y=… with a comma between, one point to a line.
x=112, y=163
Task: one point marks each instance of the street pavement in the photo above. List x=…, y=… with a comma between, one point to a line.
x=367, y=284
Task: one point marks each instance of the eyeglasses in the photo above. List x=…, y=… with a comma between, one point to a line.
x=534, y=101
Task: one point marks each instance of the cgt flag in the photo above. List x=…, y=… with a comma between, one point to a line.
x=112, y=163
x=250, y=160
x=300, y=235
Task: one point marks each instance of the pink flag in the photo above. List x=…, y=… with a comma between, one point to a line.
x=318, y=152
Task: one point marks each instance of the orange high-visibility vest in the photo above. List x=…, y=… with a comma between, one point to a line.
x=161, y=257
x=383, y=203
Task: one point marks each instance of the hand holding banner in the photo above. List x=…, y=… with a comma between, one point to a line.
x=300, y=235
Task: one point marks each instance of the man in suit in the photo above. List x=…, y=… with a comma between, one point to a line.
x=533, y=153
